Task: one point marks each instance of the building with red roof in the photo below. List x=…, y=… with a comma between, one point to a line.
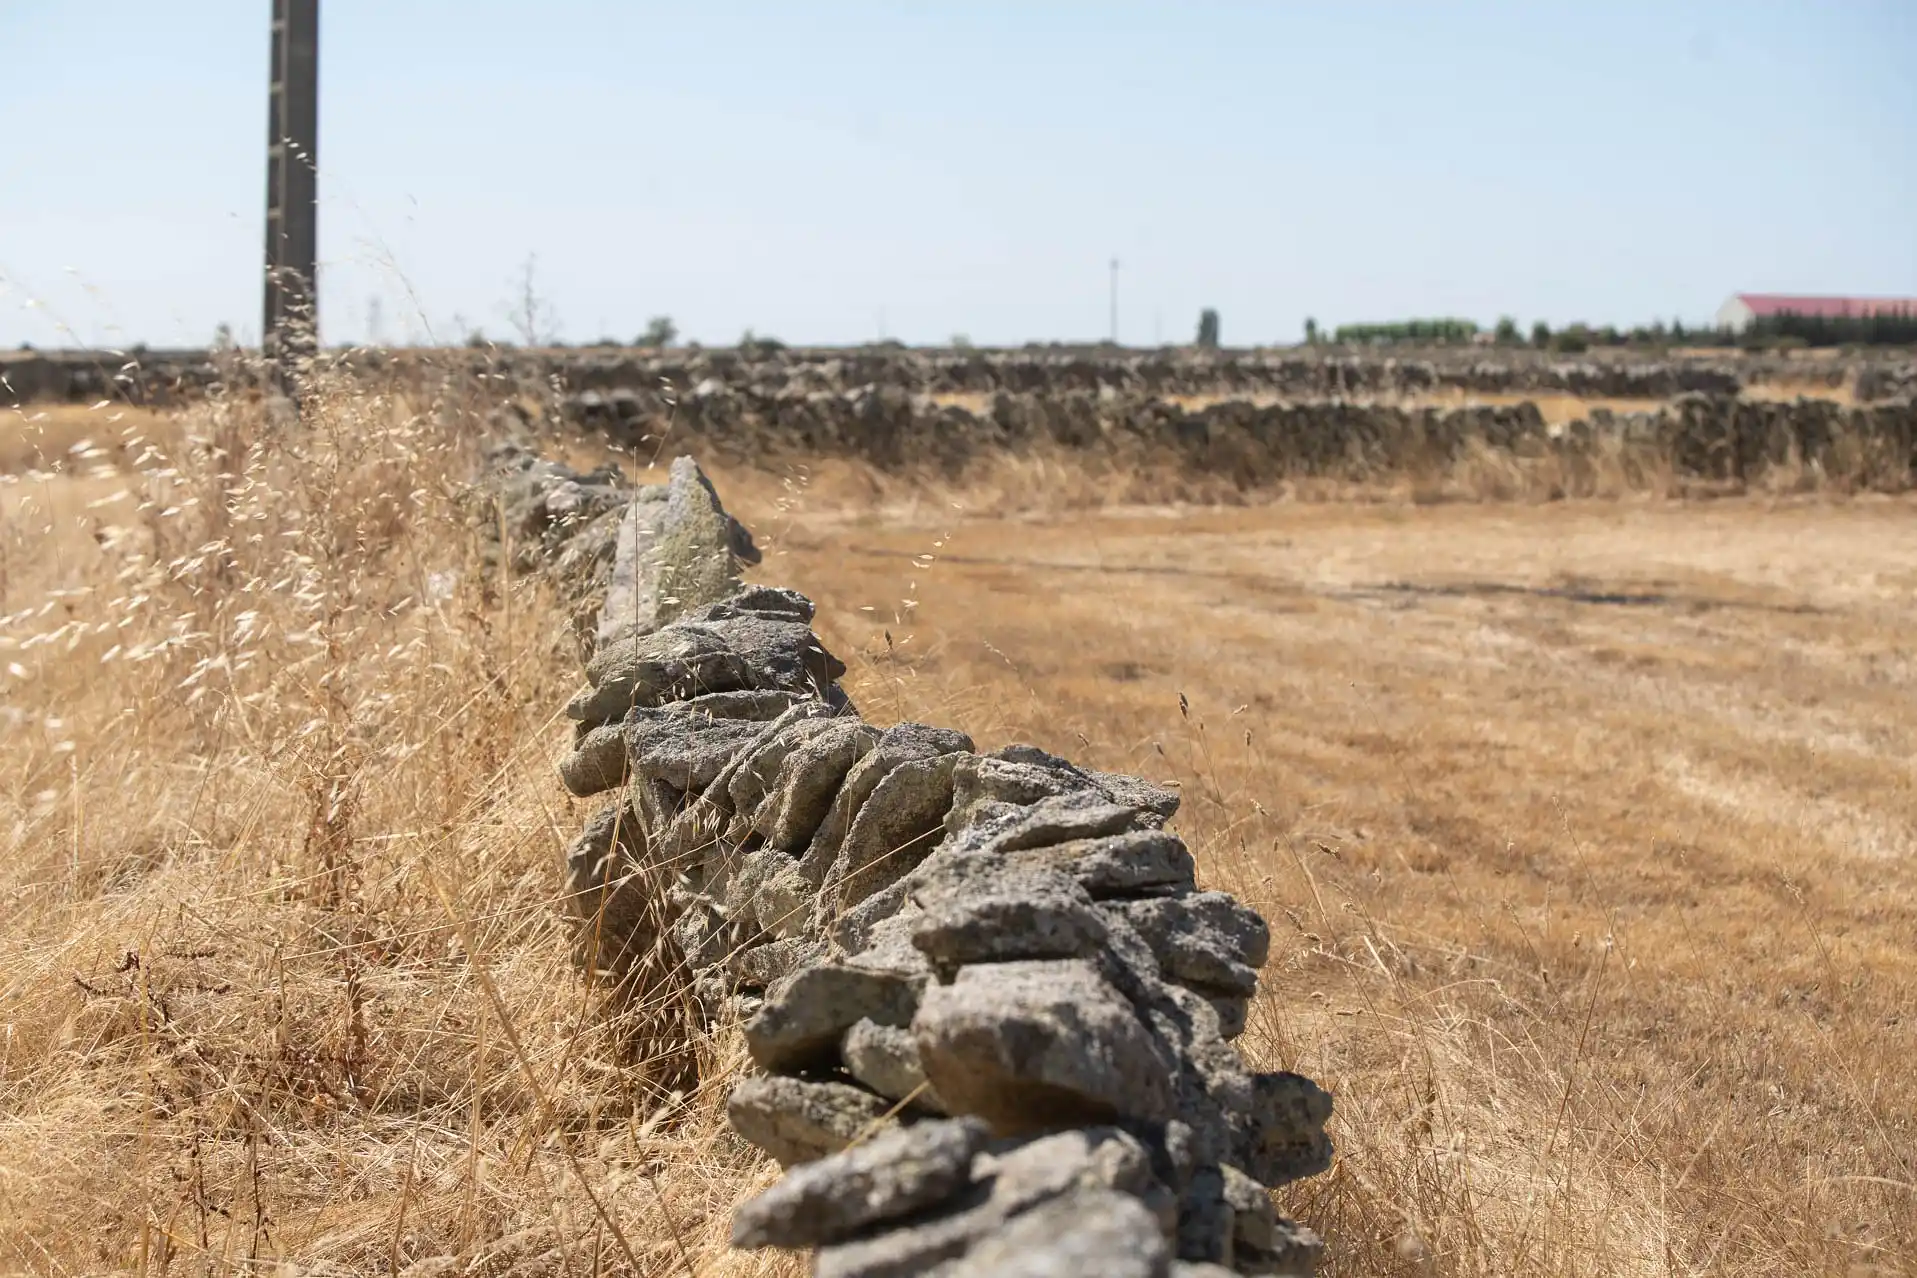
x=1743, y=309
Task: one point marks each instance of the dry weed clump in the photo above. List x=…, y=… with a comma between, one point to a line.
x=281, y=970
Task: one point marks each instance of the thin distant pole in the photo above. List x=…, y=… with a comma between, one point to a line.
x=1114, y=301
x=290, y=327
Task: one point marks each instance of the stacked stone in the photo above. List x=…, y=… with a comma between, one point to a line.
x=991, y=1008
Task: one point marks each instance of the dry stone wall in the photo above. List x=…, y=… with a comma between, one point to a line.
x=989, y=1008
x=1695, y=437
x=1292, y=373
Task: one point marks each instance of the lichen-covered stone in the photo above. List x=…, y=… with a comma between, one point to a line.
x=1095, y=1232
x=805, y=1015
x=807, y=781
x=901, y=743
x=1054, y=819
x=994, y=918
x=1032, y=1045
x=796, y=1120
x=1044, y=1167
x=885, y=1058
x=676, y=550
x=597, y=762
x=895, y=830
x=892, y=1175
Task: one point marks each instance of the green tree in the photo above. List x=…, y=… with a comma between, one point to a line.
x=660, y=332
x=1573, y=340
x=1208, y=329
x=1507, y=331
x=1540, y=335
x=1311, y=331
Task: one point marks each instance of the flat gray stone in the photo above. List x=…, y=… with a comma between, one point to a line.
x=1205, y=1220
x=894, y=1174
x=885, y=1058
x=780, y=653
x=1206, y=940
x=901, y=743
x=921, y=1249
x=682, y=749
x=1239, y=929
x=1254, y=1220
x=895, y=829
x=1023, y=774
x=983, y=782
x=1233, y=1013
x=755, y=769
x=1093, y=1232
x=1045, y=1167
x=1034, y=1045
x=763, y=887
x=1294, y=1252
x=852, y=929
x=674, y=664
x=806, y=1015
x=1117, y=865
x=796, y=1121
x=765, y=965
x=987, y=917
x=783, y=902
x=672, y=555
x=777, y=602
x=808, y=779
x=597, y=762
x=888, y=946
x=1281, y=1129
x=761, y=705
x=1053, y=819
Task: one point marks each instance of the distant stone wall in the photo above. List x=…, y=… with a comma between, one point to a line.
x=1316, y=373
x=990, y=1010
x=1239, y=420
x=1715, y=439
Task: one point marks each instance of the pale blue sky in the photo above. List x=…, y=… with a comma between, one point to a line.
x=815, y=168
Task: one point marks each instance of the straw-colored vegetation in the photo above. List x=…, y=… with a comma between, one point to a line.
x=1586, y=832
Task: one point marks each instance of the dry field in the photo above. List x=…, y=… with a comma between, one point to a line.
x=1586, y=832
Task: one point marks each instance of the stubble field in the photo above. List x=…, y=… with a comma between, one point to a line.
x=1586, y=832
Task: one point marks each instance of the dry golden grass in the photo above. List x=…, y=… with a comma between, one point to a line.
x=1586, y=833
x=48, y=436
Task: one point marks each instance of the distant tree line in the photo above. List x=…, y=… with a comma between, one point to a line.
x=1413, y=330
x=1895, y=328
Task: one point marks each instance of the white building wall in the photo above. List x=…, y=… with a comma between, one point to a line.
x=1735, y=316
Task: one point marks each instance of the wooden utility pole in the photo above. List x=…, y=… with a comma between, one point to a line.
x=290, y=327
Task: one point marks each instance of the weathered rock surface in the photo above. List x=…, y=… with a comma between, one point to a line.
x=1098, y=1232
x=804, y=1016
x=1036, y=1044
x=892, y=1175
x=677, y=550
x=885, y=1058
x=796, y=1121
x=990, y=1004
